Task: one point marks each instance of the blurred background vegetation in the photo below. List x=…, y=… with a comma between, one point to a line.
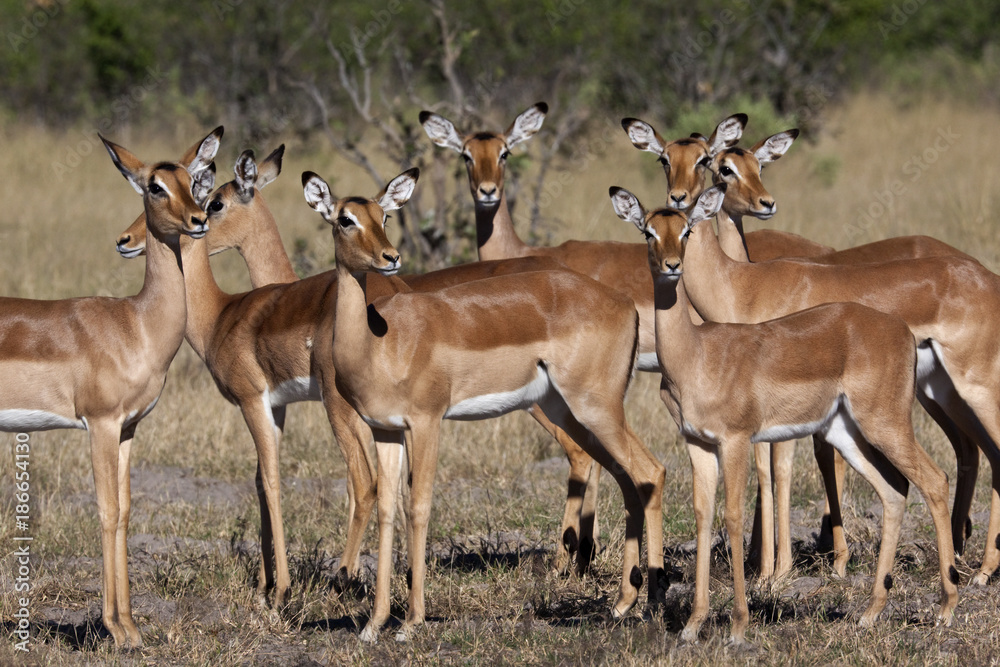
x=355, y=73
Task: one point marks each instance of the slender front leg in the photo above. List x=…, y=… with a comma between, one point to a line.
x=389, y=452
x=104, y=440
x=705, y=469
x=732, y=455
x=423, y=466
x=267, y=437
x=121, y=538
x=764, y=547
x=782, y=459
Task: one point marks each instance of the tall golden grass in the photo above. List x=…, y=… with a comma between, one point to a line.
x=57, y=232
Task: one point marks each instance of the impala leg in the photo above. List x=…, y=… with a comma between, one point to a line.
x=705, y=474
x=832, y=468
x=353, y=437
x=782, y=458
x=578, y=494
x=124, y=599
x=104, y=441
x=732, y=456
x=423, y=466
x=389, y=450
x=967, y=462
x=763, y=546
x=260, y=419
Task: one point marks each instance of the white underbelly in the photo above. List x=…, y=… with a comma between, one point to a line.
x=17, y=420
x=784, y=432
x=294, y=391
x=500, y=403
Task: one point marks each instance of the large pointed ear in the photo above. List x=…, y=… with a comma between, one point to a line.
x=643, y=136
x=727, y=133
x=128, y=164
x=202, y=184
x=246, y=174
x=318, y=194
x=399, y=190
x=707, y=205
x=770, y=149
x=205, y=152
x=627, y=207
x=441, y=131
x=210, y=143
x=269, y=169
x=526, y=125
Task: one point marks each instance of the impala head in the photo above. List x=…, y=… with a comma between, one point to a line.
x=685, y=161
x=740, y=170
x=666, y=229
x=359, y=223
x=485, y=153
x=173, y=192
x=231, y=209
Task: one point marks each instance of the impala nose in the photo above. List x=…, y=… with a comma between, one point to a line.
x=677, y=198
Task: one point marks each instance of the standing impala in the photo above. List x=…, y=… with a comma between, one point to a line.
x=474, y=351
x=271, y=347
x=839, y=369
x=100, y=363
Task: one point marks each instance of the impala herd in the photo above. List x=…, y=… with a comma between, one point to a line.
x=800, y=341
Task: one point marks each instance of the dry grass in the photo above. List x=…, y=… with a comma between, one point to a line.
x=500, y=484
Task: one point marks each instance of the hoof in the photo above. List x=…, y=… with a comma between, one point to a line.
x=980, y=579
x=689, y=636
x=403, y=635
x=369, y=635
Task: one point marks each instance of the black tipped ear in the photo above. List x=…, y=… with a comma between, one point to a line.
x=627, y=206
x=425, y=115
x=270, y=168
x=399, y=190
x=128, y=164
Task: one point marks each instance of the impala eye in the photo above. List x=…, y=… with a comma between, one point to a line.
x=648, y=234
x=705, y=161
x=663, y=161
x=504, y=155
x=725, y=171
x=467, y=158
x=345, y=222
x=216, y=206
x=155, y=189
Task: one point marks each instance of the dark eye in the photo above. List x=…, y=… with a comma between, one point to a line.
x=663, y=161
x=345, y=222
x=705, y=161
x=386, y=219
x=155, y=189
x=648, y=234
x=216, y=206
x=467, y=158
x=725, y=171
x=504, y=155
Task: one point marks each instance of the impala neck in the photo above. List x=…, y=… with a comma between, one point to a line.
x=495, y=233
x=352, y=336
x=709, y=275
x=678, y=343
x=160, y=303
x=205, y=300
x=731, y=237
x=264, y=252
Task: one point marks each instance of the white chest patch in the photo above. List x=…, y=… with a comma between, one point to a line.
x=294, y=391
x=16, y=419
x=494, y=405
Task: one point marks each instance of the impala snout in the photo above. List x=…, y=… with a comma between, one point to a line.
x=125, y=249
x=671, y=269
x=766, y=207
x=198, y=227
x=488, y=193
x=678, y=199
x=392, y=264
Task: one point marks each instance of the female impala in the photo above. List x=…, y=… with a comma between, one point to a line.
x=474, y=351
x=841, y=369
x=99, y=363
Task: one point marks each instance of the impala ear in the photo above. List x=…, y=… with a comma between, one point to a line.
x=206, y=144
x=643, y=136
x=399, y=190
x=772, y=148
x=246, y=174
x=526, y=125
x=205, y=152
x=128, y=164
x=202, y=184
x=441, y=131
x=627, y=207
x=727, y=133
x=707, y=205
x=269, y=169
x=318, y=195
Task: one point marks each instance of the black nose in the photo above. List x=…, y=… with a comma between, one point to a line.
x=123, y=240
x=390, y=258
x=679, y=198
x=197, y=221
x=488, y=191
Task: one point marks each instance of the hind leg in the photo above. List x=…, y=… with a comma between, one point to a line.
x=832, y=467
